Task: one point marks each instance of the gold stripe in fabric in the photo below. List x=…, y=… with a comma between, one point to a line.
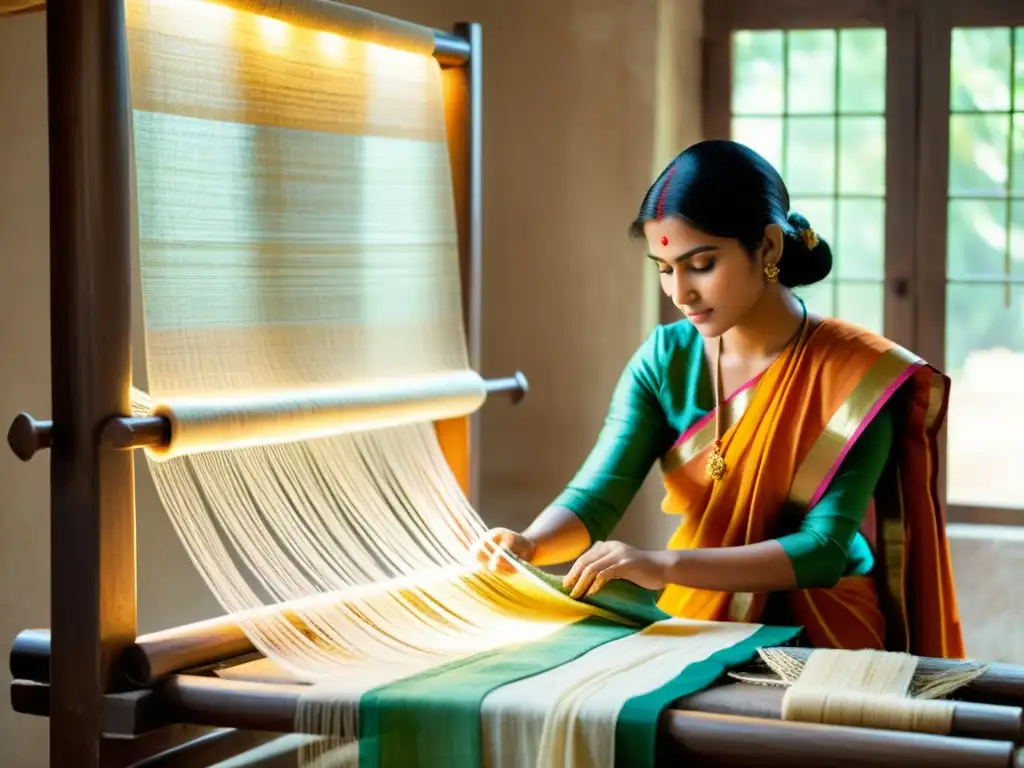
x=893, y=523
x=702, y=439
x=892, y=528
x=740, y=605
x=936, y=396
x=846, y=421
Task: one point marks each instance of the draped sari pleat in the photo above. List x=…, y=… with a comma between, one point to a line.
x=786, y=436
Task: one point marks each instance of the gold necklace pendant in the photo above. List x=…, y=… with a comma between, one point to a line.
x=716, y=464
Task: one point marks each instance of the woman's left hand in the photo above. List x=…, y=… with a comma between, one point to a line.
x=609, y=560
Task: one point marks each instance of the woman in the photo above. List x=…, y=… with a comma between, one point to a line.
x=798, y=452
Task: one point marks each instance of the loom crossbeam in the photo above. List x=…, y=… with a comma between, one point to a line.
x=207, y=644
x=28, y=435
x=93, y=558
x=711, y=734
x=187, y=690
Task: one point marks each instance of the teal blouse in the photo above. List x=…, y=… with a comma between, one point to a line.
x=664, y=389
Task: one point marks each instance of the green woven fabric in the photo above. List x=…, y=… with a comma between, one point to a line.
x=637, y=725
x=433, y=719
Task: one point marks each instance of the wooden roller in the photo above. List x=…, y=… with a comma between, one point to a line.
x=723, y=740
x=1000, y=684
x=28, y=435
x=159, y=654
x=688, y=738
x=970, y=719
x=684, y=738
x=221, y=642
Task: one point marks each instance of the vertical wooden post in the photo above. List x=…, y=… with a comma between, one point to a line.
x=92, y=546
x=471, y=203
x=902, y=85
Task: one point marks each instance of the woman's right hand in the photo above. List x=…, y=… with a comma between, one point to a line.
x=493, y=548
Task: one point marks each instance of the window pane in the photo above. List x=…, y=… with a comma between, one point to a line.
x=985, y=360
x=763, y=135
x=862, y=304
x=818, y=298
x=1018, y=152
x=820, y=212
x=1017, y=239
x=978, y=149
x=859, y=249
x=810, y=155
x=812, y=72
x=1019, y=62
x=980, y=76
x=757, y=79
x=862, y=70
x=862, y=155
x=977, y=238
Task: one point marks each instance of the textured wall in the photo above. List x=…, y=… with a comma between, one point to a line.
x=988, y=562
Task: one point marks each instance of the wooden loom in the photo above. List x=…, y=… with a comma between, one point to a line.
x=114, y=698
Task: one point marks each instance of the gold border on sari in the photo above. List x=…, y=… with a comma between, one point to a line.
x=892, y=514
x=892, y=547
x=693, y=446
x=685, y=451
x=892, y=526
x=741, y=607
x=936, y=399
x=847, y=421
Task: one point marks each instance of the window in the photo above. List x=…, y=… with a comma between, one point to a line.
x=985, y=267
x=899, y=128
x=813, y=103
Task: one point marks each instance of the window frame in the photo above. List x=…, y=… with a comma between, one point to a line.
x=918, y=40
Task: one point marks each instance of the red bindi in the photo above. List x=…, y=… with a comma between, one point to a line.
x=664, y=240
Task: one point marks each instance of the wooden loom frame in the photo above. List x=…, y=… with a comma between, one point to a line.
x=77, y=673
x=91, y=437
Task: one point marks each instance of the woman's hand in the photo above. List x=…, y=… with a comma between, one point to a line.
x=493, y=547
x=609, y=560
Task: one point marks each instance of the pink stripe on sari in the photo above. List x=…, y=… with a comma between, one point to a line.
x=898, y=382
x=698, y=425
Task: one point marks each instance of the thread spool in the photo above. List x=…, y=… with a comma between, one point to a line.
x=866, y=688
x=865, y=710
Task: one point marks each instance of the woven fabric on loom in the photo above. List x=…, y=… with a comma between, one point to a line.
x=296, y=233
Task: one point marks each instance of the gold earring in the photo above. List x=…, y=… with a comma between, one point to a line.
x=771, y=273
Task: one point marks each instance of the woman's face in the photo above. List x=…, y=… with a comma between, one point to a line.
x=713, y=281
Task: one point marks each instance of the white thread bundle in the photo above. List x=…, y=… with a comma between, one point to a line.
x=867, y=688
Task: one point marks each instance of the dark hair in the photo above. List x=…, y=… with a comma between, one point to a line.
x=728, y=190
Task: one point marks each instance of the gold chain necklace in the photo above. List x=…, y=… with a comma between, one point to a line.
x=716, y=464
x=715, y=468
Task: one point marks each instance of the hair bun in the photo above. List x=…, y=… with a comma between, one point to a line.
x=806, y=258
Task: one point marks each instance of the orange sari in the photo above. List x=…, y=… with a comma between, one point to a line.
x=786, y=433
